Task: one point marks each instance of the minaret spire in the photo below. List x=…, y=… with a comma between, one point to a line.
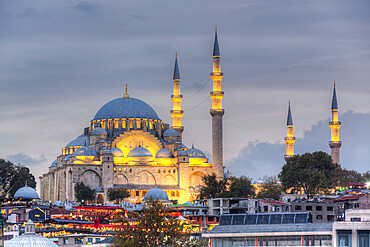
x=176, y=97
x=289, y=139
x=126, y=94
x=217, y=112
x=334, y=125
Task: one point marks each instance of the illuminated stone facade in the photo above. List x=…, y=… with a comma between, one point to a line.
x=128, y=146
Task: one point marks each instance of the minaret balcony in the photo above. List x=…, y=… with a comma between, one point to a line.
x=289, y=140
x=335, y=144
x=337, y=123
x=217, y=94
x=177, y=113
x=176, y=98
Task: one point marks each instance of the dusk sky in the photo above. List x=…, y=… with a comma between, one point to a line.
x=62, y=60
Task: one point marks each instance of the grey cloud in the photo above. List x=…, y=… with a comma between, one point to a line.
x=85, y=7
x=25, y=159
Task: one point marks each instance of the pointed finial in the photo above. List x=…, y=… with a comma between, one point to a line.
x=334, y=102
x=126, y=94
x=192, y=145
x=216, y=49
x=289, y=121
x=176, y=73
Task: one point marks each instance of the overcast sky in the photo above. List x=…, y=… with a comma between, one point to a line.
x=62, y=60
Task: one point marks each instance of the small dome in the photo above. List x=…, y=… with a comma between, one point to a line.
x=170, y=133
x=163, y=153
x=126, y=108
x=195, y=153
x=183, y=153
x=58, y=203
x=156, y=194
x=84, y=151
x=107, y=151
x=54, y=164
x=30, y=239
x=228, y=175
x=139, y=152
x=117, y=152
x=98, y=131
x=80, y=141
x=26, y=193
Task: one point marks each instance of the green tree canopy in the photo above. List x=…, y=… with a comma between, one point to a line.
x=213, y=188
x=13, y=177
x=236, y=187
x=84, y=192
x=117, y=194
x=344, y=177
x=241, y=187
x=271, y=188
x=155, y=227
x=314, y=172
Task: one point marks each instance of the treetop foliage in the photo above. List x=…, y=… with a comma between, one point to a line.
x=84, y=192
x=154, y=227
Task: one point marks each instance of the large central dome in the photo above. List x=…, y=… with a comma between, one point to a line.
x=126, y=108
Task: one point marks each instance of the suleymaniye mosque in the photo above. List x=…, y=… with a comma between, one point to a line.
x=127, y=145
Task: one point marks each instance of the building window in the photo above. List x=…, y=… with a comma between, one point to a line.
x=65, y=241
x=89, y=240
x=344, y=238
x=355, y=219
x=177, y=193
x=318, y=208
x=137, y=193
x=330, y=208
x=363, y=238
x=78, y=241
x=330, y=218
x=298, y=207
x=265, y=208
x=308, y=208
x=319, y=217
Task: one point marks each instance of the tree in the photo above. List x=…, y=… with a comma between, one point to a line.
x=314, y=172
x=241, y=187
x=213, y=188
x=13, y=177
x=84, y=192
x=154, y=227
x=366, y=177
x=344, y=177
x=271, y=188
x=117, y=194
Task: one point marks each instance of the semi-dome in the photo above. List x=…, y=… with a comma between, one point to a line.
x=26, y=193
x=195, y=153
x=139, y=152
x=117, y=152
x=170, y=133
x=82, y=140
x=156, y=194
x=98, y=131
x=164, y=153
x=126, y=108
x=54, y=164
x=30, y=239
x=84, y=151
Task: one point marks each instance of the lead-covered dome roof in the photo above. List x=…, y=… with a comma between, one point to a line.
x=164, y=153
x=139, y=152
x=170, y=132
x=126, y=108
x=117, y=152
x=26, y=193
x=156, y=194
x=98, y=131
x=195, y=153
x=84, y=151
x=82, y=140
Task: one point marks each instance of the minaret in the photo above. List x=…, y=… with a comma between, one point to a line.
x=176, y=97
x=289, y=139
x=217, y=112
x=334, y=125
